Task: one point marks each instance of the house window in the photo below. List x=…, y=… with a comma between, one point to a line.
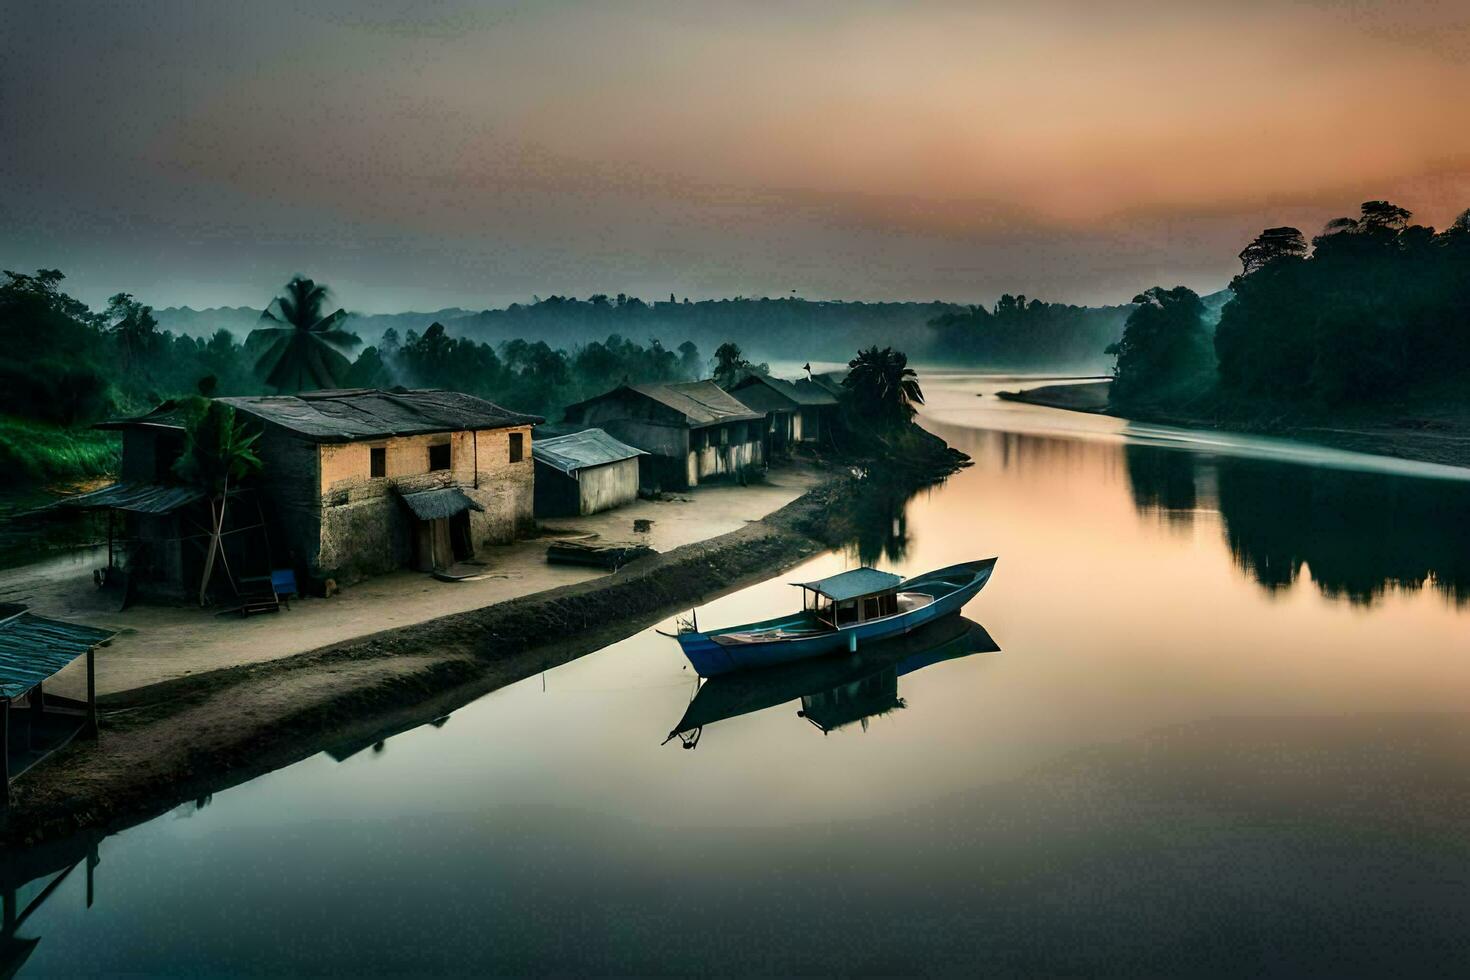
x=439, y=457
x=517, y=446
x=377, y=462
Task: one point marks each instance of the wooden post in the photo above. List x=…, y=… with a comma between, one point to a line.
x=92, y=692
x=109, y=539
x=92, y=861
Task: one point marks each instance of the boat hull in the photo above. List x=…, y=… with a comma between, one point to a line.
x=711, y=659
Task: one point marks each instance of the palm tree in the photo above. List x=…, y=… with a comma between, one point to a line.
x=217, y=451
x=305, y=347
x=881, y=383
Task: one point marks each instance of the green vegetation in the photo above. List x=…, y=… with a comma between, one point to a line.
x=304, y=348
x=1374, y=310
x=35, y=452
x=1022, y=334
x=67, y=367
x=1165, y=351
x=882, y=388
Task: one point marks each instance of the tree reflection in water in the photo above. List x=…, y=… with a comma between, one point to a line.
x=1358, y=533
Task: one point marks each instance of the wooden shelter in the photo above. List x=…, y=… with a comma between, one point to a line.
x=693, y=432
x=793, y=414
x=32, y=650
x=584, y=472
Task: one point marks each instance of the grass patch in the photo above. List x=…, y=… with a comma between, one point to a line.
x=36, y=453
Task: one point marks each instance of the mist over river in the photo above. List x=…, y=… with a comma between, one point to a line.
x=1220, y=728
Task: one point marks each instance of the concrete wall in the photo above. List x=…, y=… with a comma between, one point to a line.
x=365, y=528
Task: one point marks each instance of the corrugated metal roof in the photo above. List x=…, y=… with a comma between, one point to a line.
x=813, y=393
x=432, y=505
x=809, y=395
x=831, y=383
x=369, y=413
x=167, y=415
x=589, y=447
x=701, y=402
x=852, y=584
x=32, y=648
x=139, y=498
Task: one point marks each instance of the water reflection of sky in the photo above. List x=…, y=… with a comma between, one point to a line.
x=1193, y=752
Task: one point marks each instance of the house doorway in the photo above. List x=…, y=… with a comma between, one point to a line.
x=442, y=541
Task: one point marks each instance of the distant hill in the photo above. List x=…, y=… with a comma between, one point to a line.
x=240, y=320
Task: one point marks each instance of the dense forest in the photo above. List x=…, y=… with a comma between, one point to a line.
x=1373, y=308
x=1022, y=334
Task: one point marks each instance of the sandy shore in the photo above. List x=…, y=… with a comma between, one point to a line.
x=1430, y=433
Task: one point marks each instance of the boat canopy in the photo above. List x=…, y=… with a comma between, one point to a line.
x=852, y=584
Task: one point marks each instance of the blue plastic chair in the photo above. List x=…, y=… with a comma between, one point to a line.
x=283, y=583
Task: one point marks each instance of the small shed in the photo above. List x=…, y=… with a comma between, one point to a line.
x=583, y=473
x=32, y=650
x=694, y=432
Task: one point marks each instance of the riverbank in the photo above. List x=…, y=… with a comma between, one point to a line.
x=1430, y=431
x=188, y=737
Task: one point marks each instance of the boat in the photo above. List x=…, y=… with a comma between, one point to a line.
x=839, y=612
x=833, y=691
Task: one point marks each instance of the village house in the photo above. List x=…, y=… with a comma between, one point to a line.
x=353, y=483
x=693, y=432
x=793, y=414
x=584, y=472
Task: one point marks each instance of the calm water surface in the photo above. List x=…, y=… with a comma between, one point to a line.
x=1223, y=732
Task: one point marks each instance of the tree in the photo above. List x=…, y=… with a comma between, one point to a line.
x=305, y=349
x=729, y=363
x=217, y=451
x=134, y=327
x=689, y=362
x=1383, y=216
x=1165, y=345
x=1272, y=245
x=882, y=386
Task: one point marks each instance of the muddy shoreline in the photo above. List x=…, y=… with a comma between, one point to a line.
x=1424, y=433
x=182, y=740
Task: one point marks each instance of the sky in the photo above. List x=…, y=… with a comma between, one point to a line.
x=419, y=155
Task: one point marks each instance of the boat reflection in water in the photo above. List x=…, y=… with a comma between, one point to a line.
x=836, y=690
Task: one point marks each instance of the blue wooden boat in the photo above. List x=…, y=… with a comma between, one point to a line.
x=839, y=612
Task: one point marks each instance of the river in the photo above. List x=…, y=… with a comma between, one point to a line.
x=1220, y=728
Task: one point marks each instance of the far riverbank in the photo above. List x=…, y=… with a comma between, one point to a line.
x=1426, y=432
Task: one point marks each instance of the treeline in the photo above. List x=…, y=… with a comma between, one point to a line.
x=67, y=366
x=1374, y=307
x=1022, y=334
x=529, y=376
x=767, y=328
